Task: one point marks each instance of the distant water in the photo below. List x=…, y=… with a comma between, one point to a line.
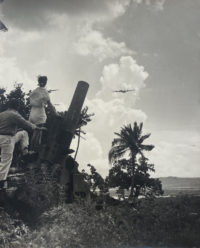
x=174, y=186
x=179, y=185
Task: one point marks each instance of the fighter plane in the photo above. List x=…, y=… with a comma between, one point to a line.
x=49, y=91
x=123, y=91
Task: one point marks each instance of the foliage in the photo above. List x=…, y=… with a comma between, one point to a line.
x=77, y=225
x=169, y=221
x=130, y=168
x=12, y=230
x=18, y=94
x=129, y=141
x=39, y=191
x=161, y=222
x=85, y=117
x=95, y=180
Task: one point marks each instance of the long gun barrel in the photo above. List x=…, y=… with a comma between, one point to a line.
x=73, y=115
x=61, y=132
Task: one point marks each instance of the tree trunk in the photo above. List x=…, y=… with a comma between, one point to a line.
x=133, y=159
x=78, y=144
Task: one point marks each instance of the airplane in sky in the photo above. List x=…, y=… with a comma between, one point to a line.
x=49, y=91
x=123, y=91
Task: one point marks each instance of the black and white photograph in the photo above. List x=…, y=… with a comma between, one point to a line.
x=99, y=123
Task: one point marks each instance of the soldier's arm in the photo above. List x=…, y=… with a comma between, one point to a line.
x=22, y=123
x=52, y=108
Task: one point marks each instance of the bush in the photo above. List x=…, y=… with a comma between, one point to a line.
x=163, y=222
x=77, y=225
x=11, y=231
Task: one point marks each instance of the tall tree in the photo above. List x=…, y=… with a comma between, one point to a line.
x=18, y=94
x=129, y=144
x=22, y=99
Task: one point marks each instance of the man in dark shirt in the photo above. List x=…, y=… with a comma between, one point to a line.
x=10, y=122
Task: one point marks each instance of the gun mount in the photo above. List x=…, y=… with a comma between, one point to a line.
x=56, y=142
x=62, y=129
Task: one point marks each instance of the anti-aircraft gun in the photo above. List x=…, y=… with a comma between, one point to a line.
x=59, y=138
x=53, y=151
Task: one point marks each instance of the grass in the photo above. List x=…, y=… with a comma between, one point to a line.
x=164, y=222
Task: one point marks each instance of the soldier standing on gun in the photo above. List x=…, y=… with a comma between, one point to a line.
x=39, y=99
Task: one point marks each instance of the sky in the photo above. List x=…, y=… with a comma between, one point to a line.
x=152, y=46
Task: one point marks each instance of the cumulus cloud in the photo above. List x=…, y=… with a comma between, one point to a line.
x=112, y=112
x=115, y=110
x=119, y=7
x=93, y=43
x=127, y=74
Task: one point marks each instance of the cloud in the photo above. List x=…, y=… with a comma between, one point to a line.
x=102, y=166
x=127, y=74
x=91, y=145
x=109, y=118
x=30, y=14
x=15, y=47
x=93, y=43
x=90, y=152
x=118, y=8
x=176, y=153
x=155, y=4
x=39, y=15
x=112, y=112
x=10, y=73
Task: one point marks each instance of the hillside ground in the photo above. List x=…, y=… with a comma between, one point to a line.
x=163, y=222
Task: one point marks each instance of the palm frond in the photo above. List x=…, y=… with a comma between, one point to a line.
x=116, y=153
x=118, y=141
x=147, y=147
x=140, y=128
x=146, y=136
x=130, y=139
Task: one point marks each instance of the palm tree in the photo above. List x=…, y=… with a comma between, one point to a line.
x=129, y=143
